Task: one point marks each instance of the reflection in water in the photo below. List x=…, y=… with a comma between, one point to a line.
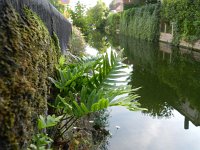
x=144, y=57
x=169, y=80
x=141, y=132
x=170, y=83
x=98, y=40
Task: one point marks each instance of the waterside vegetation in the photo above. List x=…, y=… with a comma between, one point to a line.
x=85, y=86
x=185, y=16
x=141, y=23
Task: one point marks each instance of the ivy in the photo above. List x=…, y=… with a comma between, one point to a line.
x=186, y=15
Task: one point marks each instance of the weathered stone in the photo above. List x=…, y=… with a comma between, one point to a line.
x=53, y=20
x=28, y=54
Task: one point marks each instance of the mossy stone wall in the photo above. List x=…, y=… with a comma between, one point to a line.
x=28, y=54
x=53, y=20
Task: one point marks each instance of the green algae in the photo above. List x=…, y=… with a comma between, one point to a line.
x=28, y=55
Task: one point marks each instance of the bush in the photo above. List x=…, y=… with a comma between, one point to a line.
x=96, y=16
x=79, y=18
x=142, y=22
x=77, y=43
x=185, y=15
x=112, y=23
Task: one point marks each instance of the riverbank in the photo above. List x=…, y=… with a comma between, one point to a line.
x=168, y=38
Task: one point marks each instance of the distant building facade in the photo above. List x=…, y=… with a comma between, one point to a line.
x=119, y=5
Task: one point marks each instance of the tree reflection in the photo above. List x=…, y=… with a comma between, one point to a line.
x=169, y=77
x=98, y=40
x=154, y=94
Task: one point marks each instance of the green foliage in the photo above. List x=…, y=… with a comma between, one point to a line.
x=92, y=84
x=142, y=22
x=34, y=54
x=50, y=121
x=96, y=16
x=112, y=23
x=185, y=15
x=58, y=5
x=78, y=15
x=77, y=42
x=98, y=40
x=175, y=77
x=41, y=140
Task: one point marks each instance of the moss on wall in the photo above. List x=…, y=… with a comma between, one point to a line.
x=27, y=57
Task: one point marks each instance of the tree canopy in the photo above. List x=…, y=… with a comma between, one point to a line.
x=96, y=16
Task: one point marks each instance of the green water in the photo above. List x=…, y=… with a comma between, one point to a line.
x=170, y=89
x=169, y=77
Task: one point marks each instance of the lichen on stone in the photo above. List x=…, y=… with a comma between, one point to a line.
x=28, y=55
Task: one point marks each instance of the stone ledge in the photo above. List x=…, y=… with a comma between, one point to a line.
x=167, y=37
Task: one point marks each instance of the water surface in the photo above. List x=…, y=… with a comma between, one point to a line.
x=141, y=132
x=170, y=89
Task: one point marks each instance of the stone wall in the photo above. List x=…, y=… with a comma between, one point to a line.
x=53, y=20
x=28, y=53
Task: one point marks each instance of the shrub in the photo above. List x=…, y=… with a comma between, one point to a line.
x=142, y=22
x=79, y=18
x=77, y=43
x=91, y=84
x=96, y=16
x=185, y=15
x=112, y=23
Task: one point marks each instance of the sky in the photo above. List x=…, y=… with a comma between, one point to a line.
x=88, y=3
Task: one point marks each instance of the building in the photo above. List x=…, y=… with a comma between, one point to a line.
x=118, y=5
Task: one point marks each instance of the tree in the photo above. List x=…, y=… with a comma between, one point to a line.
x=78, y=15
x=96, y=16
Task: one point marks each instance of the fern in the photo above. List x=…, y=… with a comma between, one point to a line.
x=91, y=84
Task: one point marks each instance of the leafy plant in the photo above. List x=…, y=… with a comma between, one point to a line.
x=185, y=14
x=50, y=121
x=61, y=7
x=77, y=42
x=42, y=141
x=112, y=23
x=58, y=5
x=96, y=16
x=141, y=22
x=98, y=40
x=78, y=15
x=92, y=84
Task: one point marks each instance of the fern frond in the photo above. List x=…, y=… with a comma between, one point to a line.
x=93, y=84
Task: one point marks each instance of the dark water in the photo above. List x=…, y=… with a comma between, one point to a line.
x=170, y=89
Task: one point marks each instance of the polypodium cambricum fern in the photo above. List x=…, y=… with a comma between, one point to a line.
x=89, y=86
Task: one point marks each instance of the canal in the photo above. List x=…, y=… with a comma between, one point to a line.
x=170, y=89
